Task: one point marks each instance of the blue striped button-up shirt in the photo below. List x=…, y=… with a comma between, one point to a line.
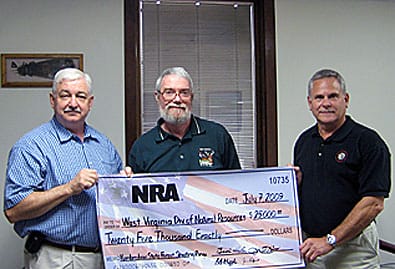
x=49, y=156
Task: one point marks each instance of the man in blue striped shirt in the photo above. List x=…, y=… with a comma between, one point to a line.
x=51, y=176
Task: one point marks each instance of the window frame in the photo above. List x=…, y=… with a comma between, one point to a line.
x=266, y=97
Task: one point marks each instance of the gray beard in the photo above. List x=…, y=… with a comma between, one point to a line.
x=175, y=120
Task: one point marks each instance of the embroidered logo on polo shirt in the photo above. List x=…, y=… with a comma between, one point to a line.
x=341, y=156
x=206, y=157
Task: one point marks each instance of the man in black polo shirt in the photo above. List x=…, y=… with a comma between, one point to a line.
x=343, y=169
x=181, y=141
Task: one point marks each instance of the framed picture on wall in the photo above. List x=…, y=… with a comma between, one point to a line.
x=35, y=70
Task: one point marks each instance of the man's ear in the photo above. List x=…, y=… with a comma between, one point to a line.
x=52, y=99
x=156, y=96
x=347, y=99
x=91, y=99
x=309, y=101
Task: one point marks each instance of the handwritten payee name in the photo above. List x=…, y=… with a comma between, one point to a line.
x=192, y=219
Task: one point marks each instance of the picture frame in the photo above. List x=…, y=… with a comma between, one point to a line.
x=35, y=70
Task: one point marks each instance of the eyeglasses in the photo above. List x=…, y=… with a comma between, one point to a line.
x=170, y=94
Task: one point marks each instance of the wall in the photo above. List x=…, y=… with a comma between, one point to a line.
x=91, y=27
x=355, y=37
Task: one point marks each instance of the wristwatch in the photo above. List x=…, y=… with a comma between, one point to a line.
x=331, y=239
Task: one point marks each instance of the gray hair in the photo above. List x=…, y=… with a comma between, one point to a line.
x=70, y=74
x=327, y=73
x=179, y=71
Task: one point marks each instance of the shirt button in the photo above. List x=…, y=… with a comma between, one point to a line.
x=181, y=156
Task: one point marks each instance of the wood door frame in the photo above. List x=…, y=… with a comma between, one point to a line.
x=266, y=96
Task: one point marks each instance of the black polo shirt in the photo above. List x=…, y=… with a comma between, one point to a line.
x=337, y=172
x=206, y=146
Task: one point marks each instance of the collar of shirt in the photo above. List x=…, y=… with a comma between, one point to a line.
x=340, y=134
x=194, y=129
x=65, y=135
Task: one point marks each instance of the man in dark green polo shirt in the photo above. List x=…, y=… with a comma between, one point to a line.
x=181, y=141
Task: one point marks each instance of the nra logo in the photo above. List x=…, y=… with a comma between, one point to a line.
x=154, y=193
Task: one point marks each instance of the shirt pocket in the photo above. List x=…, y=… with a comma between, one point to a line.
x=108, y=167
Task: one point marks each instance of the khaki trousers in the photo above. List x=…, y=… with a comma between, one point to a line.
x=362, y=252
x=49, y=257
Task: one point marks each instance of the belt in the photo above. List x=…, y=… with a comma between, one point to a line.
x=72, y=247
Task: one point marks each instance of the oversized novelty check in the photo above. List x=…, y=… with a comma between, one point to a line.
x=226, y=219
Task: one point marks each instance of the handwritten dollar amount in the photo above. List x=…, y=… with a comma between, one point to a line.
x=260, y=214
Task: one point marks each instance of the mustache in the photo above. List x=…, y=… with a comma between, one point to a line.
x=168, y=106
x=72, y=109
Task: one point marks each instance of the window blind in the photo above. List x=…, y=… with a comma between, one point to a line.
x=213, y=41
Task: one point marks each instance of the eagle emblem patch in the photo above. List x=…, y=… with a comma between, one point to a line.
x=206, y=157
x=341, y=156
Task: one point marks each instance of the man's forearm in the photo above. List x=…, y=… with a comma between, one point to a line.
x=38, y=203
x=364, y=212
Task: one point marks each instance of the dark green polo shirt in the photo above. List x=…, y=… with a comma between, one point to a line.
x=206, y=146
x=337, y=172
